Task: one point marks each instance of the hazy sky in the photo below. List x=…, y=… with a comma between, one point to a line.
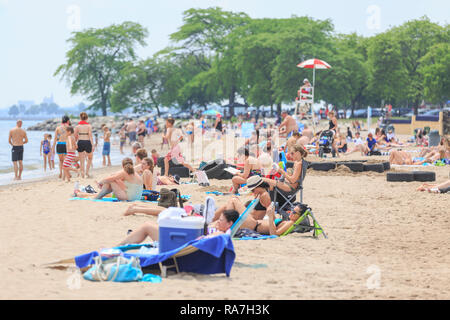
x=33, y=33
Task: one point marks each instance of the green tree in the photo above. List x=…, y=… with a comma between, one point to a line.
x=346, y=83
x=387, y=72
x=435, y=69
x=415, y=39
x=205, y=36
x=96, y=58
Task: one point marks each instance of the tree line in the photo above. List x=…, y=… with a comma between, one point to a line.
x=218, y=56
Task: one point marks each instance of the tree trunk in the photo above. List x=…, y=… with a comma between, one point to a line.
x=231, y=102
x=279, y=109
x=271, y=110
x=104, y=108
x=159, y=111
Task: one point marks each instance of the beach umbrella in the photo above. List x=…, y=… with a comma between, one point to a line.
x=211, y=112
x=314, y=64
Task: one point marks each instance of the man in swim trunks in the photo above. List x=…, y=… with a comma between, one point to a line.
x=131, y=130
x=17, y=138
x=175, y=152
x=59, y=143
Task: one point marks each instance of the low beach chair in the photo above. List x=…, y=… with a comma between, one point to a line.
x=290, y=197
x=317, y=229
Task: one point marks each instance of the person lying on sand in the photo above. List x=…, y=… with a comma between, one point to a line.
x=405, y=158
x=150, y=229
x=126, y=184
x=435, y=188
x=271, y=226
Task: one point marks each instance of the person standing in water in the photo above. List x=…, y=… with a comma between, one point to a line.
x=106, y=146
x=59, y=143
x=17, y=138
x=45, y=151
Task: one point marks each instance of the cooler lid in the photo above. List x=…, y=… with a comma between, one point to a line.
x=182, y=222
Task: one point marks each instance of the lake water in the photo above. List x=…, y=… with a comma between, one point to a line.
x=32, y=161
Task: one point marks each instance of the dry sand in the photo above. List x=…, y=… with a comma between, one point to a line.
x=376, y=229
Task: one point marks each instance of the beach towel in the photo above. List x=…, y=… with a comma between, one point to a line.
x=247, y=234
x=111, y=199
x=214, y=255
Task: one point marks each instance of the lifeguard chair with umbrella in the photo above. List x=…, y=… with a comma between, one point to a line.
x=305, y=99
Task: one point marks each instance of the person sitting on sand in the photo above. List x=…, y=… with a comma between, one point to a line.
x=251, y=167
x=306, y=136
x=140, y=155
x=371, y=144
x=359, y=145
x=435, y=188
x=147, y=167
x=150, y=229
x=342, y=143
x=125, y=184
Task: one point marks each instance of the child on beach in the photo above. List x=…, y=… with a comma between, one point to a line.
x=123, y=139
x=45, y=151
x=51, y=163
x=106, y=146
x=70, y=156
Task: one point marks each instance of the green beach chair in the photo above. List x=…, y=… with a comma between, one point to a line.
x=317, y=229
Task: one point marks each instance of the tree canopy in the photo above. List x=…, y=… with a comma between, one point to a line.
x=217, y=56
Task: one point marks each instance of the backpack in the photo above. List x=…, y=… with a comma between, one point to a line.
x=167, y=198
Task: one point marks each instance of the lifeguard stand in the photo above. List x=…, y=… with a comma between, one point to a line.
x=303, y=105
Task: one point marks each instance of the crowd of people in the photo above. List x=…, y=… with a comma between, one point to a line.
x=260, y=172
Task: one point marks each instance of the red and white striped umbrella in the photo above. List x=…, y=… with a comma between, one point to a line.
x=314, y=64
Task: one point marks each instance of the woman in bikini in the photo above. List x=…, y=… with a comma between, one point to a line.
x=83, y=136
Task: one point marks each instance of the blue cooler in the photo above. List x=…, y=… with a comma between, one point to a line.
x=176, y=231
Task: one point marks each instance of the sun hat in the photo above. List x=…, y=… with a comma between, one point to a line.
x=305, y=80
x=253, y=182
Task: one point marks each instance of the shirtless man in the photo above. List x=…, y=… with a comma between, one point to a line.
x=307, y=136
x=175, y=151
x=288, y=125
x=59, y=142
x=17, y=138
x=131, y=130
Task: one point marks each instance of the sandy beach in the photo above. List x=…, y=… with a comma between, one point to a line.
x=376, y=230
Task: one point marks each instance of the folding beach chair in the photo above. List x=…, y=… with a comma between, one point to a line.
x=316, y=228
x=290, y=197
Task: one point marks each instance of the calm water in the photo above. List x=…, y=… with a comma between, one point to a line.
x=32, y=161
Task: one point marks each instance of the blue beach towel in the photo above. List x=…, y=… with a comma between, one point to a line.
x=214, y=255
